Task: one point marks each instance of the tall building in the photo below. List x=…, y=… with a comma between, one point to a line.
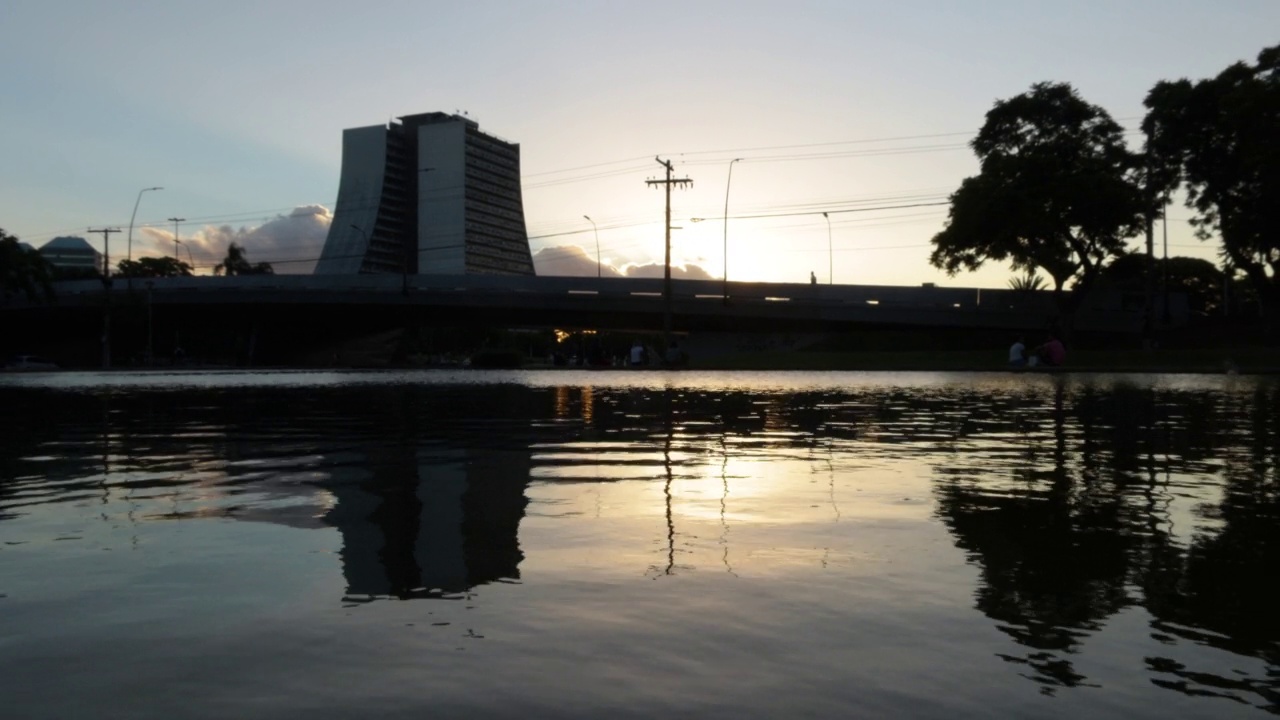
x=427, y=194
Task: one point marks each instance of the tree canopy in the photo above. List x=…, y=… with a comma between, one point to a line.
x=1199, y=279
x=1220, y=138
x=153, y=267
x=1058, y=191
x=235, y=263
x=23, y=271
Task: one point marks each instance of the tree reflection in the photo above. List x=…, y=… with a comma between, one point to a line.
x=1053, y=560
x=1073, y=497
x=1065, y=550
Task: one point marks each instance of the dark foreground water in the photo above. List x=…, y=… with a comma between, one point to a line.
x=614, y=544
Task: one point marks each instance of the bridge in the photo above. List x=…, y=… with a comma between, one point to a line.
x=612, y=303
x=290, y=318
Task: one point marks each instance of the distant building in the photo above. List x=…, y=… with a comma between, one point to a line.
x=72, y=254
x=429, y=194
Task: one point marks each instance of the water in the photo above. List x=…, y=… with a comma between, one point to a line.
x=638, y=544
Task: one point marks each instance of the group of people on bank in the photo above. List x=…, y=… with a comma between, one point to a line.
x=1051, y=353
x=641, y=357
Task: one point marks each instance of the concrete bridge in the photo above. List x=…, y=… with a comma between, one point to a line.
x=310, y=319
x=605, y=303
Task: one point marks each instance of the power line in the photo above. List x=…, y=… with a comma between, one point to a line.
x=818, y=212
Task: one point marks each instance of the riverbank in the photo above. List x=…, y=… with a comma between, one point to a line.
x=1246, y=360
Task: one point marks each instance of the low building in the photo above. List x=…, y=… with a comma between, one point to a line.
x=73, y=255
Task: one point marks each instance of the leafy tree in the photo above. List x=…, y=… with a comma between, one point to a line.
x=1058, y=191
x=1200, y=280
x=1220, y=138
x=237, y=264
x=23, y=272
x=153, y=267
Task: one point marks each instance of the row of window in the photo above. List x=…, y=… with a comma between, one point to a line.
x=516, y=251
x=510, y=211
x=481, y=265
x=486, y=183
x=502, y=155
x=480, y=197
x=505, y=231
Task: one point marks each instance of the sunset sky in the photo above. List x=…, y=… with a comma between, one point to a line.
x=858, y=109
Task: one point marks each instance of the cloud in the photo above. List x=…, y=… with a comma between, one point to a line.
x=570, y=260
x=688, y=271
x=291, y=243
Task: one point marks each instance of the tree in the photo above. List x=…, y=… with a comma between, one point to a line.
x=1197, y=278
x=1220, y=138
x=23, y=271
x=1058, y=191
x=153, y=267
x=236, y=263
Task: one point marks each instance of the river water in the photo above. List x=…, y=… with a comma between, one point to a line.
x=638, y=544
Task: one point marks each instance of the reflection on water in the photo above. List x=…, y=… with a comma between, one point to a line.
x=831, y=544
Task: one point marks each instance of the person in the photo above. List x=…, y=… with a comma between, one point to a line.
x=1052, y=352
x=637, y=354
x=1018, y=353
x=813, y=279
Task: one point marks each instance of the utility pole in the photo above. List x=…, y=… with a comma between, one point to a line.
x=106, y=292
x=666, y=270
x=175, y=221
x=1148, y=319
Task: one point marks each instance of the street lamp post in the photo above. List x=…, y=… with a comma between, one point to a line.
x=830, y=263
x=593, y=225
x=189, y=257
x=135, y=215
x=725, y=291
x=131, y=219
x=175, y=221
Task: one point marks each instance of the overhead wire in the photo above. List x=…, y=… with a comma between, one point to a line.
x=799, y=209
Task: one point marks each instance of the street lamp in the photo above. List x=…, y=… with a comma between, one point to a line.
x=175, y=221
x=189, y=257
x=593, y=225
x=135, y=215
x=729, y=180
x=830, y=263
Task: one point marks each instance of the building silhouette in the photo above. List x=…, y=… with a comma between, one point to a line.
x=427, y=194
x=424, y=525
x=74, y=254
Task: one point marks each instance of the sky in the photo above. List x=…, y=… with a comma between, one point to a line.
x=859, y=109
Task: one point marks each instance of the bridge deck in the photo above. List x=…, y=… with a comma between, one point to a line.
x=622, y=302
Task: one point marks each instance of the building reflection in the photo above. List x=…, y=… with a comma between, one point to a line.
x=1072, y=501
x=431, y=525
